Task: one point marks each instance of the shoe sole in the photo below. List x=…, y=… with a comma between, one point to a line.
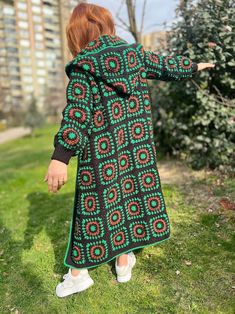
x=126, y=278
x=88, y=283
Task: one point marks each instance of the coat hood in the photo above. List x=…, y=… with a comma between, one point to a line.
x=111, y=59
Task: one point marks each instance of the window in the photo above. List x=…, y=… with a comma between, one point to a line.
x=13, y=59
x=39, y=54
x=23, y=24
x=41, y=63
x=8, y=10
x=36, y=9
x=11, y=50
x=49, y=63
x=41, y=80
x=28, y=88
x=37, y=18
x=22, y=15
x=24, y=33
x=41, y=72
x=56, y=41
x=50, y=55
x=26, y=70
x=25, y=52
x=49, y=20
x=15, y=69
x=26, y=60
x=39, y=45
x=9, y=21
x=2, y=51
x=38, y=36
x=22, y=5
x=47, y=11
x=15, y=86
x=24, y=43
x=38, y=28
x=27, y=79
x=11, y=40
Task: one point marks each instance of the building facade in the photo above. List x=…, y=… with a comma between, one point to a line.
x=33, y=53
x=156, y=40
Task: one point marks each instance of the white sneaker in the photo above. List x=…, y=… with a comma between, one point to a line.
x=124, y=272
x=73, y=284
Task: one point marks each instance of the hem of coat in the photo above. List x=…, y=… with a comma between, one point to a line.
x=105, y=262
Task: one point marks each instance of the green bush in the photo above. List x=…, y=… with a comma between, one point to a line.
x=196, y=118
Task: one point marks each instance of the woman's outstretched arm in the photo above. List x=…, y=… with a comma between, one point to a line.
x=170, y=68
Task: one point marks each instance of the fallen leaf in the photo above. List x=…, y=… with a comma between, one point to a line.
x=226, y=203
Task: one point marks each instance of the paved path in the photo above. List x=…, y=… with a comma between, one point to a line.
x=13, y=133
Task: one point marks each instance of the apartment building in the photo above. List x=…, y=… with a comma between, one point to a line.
x=33, y=52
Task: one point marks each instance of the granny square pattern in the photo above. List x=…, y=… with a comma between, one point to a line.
x=107, y=124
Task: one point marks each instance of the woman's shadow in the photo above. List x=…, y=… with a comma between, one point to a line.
x=52, y=213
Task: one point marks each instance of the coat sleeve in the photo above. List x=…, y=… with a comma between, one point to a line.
x=76, y=122
x=167, y=68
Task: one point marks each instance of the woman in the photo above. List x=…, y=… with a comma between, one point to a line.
x=107, y=123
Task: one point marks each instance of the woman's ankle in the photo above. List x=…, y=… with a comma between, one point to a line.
x=122, y=260
x=75, y=272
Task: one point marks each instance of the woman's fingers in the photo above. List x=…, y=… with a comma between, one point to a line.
x=50, y=183
x=210, y=65
x=56, y=175
x=46, y=178
x=55, y=183
x=202, y=66
x=61, y=182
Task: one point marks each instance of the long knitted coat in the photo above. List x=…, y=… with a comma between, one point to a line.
x=107, y=124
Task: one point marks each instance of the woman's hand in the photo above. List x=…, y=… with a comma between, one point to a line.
x=202, y=66
x=56, y=175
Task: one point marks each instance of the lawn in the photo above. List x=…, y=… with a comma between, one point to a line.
x=192, y=272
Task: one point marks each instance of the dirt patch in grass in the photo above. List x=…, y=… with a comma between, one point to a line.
x=208, y=191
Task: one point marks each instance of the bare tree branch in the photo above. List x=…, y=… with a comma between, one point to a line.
x=132, y=20
x=123, y=27
x=225, y=103
x=142, y=18
x=120, y=19
x=132, y=27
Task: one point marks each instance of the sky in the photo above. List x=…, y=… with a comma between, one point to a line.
x=156, y=12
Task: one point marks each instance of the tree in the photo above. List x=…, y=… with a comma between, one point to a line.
x=132, y=26
x=198, y=116
x=33, y=118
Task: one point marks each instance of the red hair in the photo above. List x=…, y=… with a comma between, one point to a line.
x=86, y=23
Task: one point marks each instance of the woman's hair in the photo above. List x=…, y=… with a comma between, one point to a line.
x=86, y=23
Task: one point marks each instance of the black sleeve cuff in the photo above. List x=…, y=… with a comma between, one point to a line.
x=194, y=67
x=62, y=154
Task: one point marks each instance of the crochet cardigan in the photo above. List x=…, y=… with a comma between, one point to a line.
x=107, y=124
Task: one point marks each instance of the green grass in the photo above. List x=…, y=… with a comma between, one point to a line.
x=34, y=226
